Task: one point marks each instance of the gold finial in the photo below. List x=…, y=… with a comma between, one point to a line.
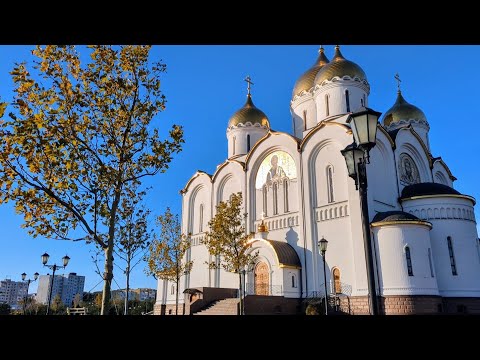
x=337, y=47
x=321, y=50
x=248, y=79
x=262, y=227
x=397, y=77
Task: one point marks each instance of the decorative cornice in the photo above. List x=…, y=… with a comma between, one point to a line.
x=402, y=222
x=318, y=128
x=197, y=174
x=464, y=197
x=383, y=131
x=440, y=160
x=261, y=140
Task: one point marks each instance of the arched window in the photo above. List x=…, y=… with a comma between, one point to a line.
x=430, y=262
x=330, y=195
x=294, y=281
x=337, y=285
x=265, y=200
x=453, y=265
x=234, y=139
x=172, y=290
x=304, y=120
x=200, y=225
x=275, y=199
x=285, y=190
x=248, y=142
x=347, y=99
x=409, y=261
x=327, y=106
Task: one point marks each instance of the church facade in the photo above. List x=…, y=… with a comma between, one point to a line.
x=296, y=190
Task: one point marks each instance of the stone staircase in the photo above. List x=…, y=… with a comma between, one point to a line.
x=221, y=307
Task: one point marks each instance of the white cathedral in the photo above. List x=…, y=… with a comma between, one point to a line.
x=296, y=190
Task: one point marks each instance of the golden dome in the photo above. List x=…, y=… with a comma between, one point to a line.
x=402, y=110
x=306, y=81
x=339, y=66
x=249, y=113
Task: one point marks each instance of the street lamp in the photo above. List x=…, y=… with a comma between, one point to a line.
x=322, y=246
x=28, y=281
x=357, y=155
x=54, y=268
x=247, y=269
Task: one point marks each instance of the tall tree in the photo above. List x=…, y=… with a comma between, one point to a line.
x=133, y=240
x=79, y=139
x=227, y=242
x=166, y=257
x=58, y=307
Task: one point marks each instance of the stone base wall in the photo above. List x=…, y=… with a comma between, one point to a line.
x=352, y=305
x=271, y=305
x=410, y=305
x=159, y=309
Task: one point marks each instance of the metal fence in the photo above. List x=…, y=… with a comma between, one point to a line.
x=264, y=289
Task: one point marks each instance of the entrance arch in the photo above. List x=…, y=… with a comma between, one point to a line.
x=262, y=279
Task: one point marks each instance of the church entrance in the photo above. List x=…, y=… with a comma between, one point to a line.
x=262, y=279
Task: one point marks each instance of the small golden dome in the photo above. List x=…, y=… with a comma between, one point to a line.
x=402, y=110
x=306, y=81
x=262, y=227
x=339, y=66
x=249, y=113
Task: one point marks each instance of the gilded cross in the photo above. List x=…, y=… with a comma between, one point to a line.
x=397, y=77
x=248, y=79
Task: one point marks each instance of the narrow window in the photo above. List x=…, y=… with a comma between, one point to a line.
x=330, y=184
x=200, y=225
x=337, y=285
x=304, y=120
x=327, y=106
x=248, y=142
x=294, y=283
x=430, y=262
x=409, y=261
x=234, y=139
x=275, y=202
x=285, y=190
x=172, y=291
x=347, y=99
x=453, y=265
x=265, y=200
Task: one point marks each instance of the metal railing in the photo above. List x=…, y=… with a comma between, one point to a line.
x=264, y=289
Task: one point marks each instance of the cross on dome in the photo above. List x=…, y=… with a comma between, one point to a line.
x=248, y=79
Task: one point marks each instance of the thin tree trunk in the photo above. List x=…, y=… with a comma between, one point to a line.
x=240, y=292
x=127, y=273
x=176, y=296
x=108, y=276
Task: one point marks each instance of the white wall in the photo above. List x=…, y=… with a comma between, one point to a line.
x=240, y=133
x=391, y=242
x=336, y=94
x=452, y=216
x=300, y=104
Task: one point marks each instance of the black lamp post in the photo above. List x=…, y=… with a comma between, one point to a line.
x=322, y=246
x=246, y=270
x=357, y=155
x=54, y=268
x=28, y=281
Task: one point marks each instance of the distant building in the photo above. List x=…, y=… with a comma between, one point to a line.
x=140, y=294
x=11, y=292
x=145, y=294
x=66, y=286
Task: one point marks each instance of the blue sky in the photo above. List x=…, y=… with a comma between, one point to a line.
x=204, y=86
